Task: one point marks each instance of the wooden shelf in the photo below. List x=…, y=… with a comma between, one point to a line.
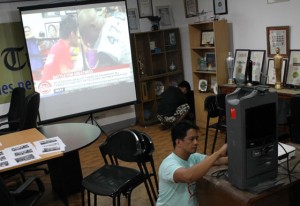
x=220, y=49
x=153, y=54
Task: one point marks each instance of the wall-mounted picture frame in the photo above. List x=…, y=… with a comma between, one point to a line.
x=52, y=29
x=166, y=15
x=220, y=7
x=278, y=37
x=258, y=58
x=275, y=1
x=191, y=8
x=210, y=58
x=133, y=20
x=207, y=38
x=240, y=64
x=293, y=69
x=271, y=74
x=145, y=8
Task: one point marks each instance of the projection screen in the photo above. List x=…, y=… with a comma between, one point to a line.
x=80, y=57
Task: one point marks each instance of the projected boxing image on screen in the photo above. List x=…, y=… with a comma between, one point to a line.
x=79, y=54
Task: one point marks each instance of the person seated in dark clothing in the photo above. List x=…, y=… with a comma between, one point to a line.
x=185, y=88
x=172, y=108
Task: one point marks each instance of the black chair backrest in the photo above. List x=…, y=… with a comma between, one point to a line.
x=17, y=107
x=29, y=119
x=5, y=197
x=220, y=102
x=148, y=146
x=211, y=107
x=123, y=145
x=295, y=119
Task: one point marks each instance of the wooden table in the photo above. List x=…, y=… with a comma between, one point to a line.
x=214, y=191
x=65, y=172
x=26, y=136
x=65, y=168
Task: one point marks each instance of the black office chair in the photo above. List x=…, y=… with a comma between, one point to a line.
x=29, y=119
x=26, y=194
x=147, y=142
x=112, y=179
x=28, y=114
x=283, y=119
x=221, y=124
x=15, y=111
x=212, y=112
x=295, y=119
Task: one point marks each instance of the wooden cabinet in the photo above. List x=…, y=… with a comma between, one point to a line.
x=209, y=45
x=157, y=62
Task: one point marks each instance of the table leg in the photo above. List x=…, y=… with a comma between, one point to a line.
x=66, y=175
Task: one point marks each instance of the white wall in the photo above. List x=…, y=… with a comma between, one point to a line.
x=250, y=19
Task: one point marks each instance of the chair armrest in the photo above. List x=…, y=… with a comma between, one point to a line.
x=9, y=122
x=3, y=123
x=3, y=116
x=28, y=183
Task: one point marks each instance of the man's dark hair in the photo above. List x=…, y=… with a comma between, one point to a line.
x=180, y=129
x=185, y=84
x=67, y=25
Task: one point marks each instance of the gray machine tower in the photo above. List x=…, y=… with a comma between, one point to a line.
x=251, y=118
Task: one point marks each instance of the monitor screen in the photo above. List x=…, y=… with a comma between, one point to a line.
x=260, y=122
x=80, y=57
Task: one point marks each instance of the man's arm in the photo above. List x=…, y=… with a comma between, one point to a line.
x=221, y=161
x=194, y=173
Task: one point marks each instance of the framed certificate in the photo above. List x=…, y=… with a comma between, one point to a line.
x=133, y=20
x=257, y=57
x=240, y=64
x=271, y=74
x=191, y=8
x=207, y=38
x=278, y=37
x=293, y=69
x=145, y=8
x=220, y=7
x=165, y=13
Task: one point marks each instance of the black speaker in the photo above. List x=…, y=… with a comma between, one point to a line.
x=251, y=118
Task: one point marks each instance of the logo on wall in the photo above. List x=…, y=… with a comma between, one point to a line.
x=11, y=58
x=14, y=63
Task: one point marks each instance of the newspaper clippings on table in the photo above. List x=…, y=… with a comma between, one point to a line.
x=53, y=144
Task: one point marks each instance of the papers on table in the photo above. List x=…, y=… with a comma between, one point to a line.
x=27, y=152
x=49, y=145
x=17, y=155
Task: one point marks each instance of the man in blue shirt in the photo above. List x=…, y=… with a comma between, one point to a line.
x=179, y=172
